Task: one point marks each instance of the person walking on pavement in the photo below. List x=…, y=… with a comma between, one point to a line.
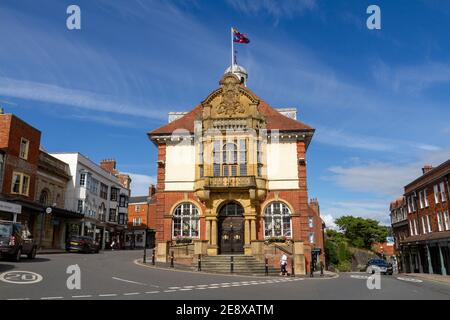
x=283, y=265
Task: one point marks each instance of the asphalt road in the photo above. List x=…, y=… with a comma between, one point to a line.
x=115, y=275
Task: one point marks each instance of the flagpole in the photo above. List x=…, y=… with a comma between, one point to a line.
x=232, y=51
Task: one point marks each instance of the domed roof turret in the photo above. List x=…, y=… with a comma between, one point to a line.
x=239, y=71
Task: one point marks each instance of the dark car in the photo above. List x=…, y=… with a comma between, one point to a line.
x=380, y=266
x=82, y=244
x=16, y=240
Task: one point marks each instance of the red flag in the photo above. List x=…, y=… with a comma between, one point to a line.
x=239, y=37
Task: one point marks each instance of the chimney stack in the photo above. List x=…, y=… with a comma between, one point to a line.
x=314, y=205
x=108, y=165
x=427, y=168
x=151, y=190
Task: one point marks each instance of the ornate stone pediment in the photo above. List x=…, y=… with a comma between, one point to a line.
x=231, y=100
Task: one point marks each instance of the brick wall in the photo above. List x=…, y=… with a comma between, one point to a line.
x=12, y=129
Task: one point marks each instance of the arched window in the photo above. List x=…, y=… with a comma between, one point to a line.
x=277, y=220
x=186, y=221
x=44, y=197
x=231, y=209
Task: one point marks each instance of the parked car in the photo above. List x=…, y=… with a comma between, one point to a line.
x=82, y=244
x=16, y=240
x=379, y=266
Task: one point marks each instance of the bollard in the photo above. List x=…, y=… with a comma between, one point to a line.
x=153, y=257
x=171, y=260
x=267, y=267
x=232, y=264
x=292, y=271
x=199, y=262
x=321, y=269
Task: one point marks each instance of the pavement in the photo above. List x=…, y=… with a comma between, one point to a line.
x=117, y=275
x=430, y=277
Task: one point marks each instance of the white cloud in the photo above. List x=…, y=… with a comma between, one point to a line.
x=140, y=184
x=276, y=8
x=411, y=79
x=369, y=209
x=47, y=93
x=329, y=221
x=340, y=138
x=384, y=178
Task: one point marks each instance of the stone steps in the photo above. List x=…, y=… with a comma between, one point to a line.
x=245, y=265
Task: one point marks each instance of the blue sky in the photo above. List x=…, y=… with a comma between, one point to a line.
x=379, y=99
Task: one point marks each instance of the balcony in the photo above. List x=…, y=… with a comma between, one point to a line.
x=230, y=182
x=256, y=187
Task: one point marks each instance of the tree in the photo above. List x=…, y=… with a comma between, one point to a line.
x=360, y=232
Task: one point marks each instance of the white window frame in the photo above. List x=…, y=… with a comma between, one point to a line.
x=83, y=178
x=421, y=199
x=424, y=227
x=446, y=220
x=436, y=193
x=415, y=228
x=137, y=208
x=426, y=198
x=310, y=222
x=272, y=215
x=137, y=221
x=22, y=186
x=193, y=215
x=439, y=220
x=428, y=219
x=23, y=153
x=442, y=190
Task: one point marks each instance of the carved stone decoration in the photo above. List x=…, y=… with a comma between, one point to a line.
x=230, y=104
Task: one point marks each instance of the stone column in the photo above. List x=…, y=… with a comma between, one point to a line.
x=253, y=229
x=420, y=260
x=441, y=258
x=430, y=266
x=247, y=231
x=247, y=244
x=208, y=230
x=214, y=232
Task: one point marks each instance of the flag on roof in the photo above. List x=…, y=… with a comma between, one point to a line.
x=239, y=37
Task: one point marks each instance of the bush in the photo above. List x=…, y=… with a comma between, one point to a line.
x=180, y=240
x=276, y=239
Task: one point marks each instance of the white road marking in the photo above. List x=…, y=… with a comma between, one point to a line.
x=129, y=281
x=185, y=289
x=108, y=295
x=20, y=299
x=131, y=293
x=189, y=287
x=169, y=290
x=359, y=277
x=85, y=296
x=51, y=298
x=201, y=288
x=151, y=292
x=409, y=279
x=174, y=287
x=20, y=277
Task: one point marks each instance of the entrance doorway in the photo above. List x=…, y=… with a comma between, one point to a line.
x=231, y=229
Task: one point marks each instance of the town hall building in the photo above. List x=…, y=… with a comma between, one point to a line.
x=231, y=179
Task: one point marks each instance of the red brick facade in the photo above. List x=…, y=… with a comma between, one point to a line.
x=12, y=129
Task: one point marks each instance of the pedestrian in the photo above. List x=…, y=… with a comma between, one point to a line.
x=113, y=243
x=283, y=265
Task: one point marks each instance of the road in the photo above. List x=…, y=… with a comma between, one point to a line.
x=115, y=275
